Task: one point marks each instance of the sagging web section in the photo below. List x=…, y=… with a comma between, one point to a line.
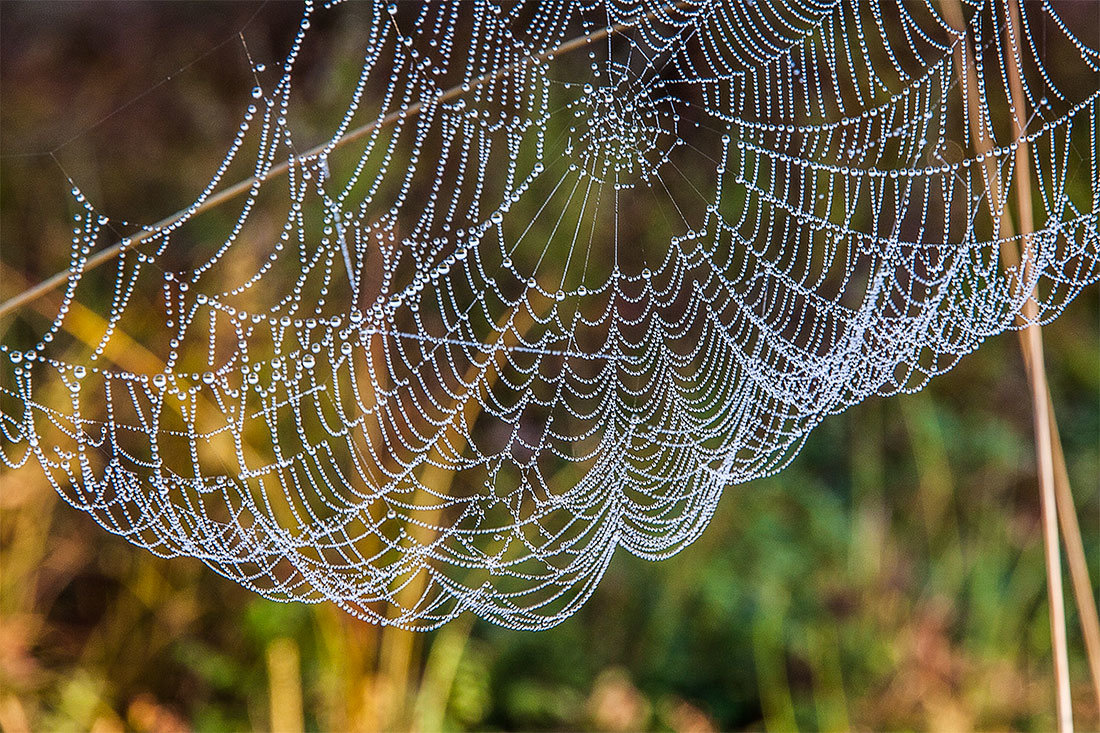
x=563, y=273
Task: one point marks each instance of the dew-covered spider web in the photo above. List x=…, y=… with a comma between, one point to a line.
x=562, y=273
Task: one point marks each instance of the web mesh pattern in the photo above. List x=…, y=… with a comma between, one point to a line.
x=563, y=273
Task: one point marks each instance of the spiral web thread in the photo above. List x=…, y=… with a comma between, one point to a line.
x=557, y=294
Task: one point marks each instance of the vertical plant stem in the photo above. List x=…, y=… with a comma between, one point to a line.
x=285, y=686
x=770, y=658
x=830, y=700
x=1080, y=580
x=1037, y=379
x=1044, y=453
x=430, y=710
x=399, y=647
x=1075, y=558
x=1031, y=343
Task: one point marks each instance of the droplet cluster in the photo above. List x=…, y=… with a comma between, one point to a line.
x=560, y=275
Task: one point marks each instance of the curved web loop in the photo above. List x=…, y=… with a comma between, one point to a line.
x=584, y=266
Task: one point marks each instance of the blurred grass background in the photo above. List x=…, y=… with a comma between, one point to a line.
x=891, y=578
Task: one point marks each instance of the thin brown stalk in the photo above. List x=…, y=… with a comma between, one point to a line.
x=1045, y=454
x=1080, y=580
x=1075, y=558
x=1031, y=346
x=1040, y=392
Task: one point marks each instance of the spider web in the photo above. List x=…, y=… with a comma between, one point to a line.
x=561, y=274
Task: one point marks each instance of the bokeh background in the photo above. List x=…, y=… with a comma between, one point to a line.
x=891, y=578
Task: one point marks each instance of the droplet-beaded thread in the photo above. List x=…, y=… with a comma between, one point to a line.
x=561, y=294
